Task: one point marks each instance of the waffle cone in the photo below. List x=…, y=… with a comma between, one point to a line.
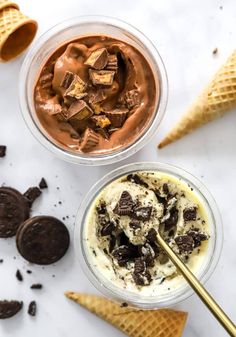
x=8, y=3
x=16, y=32
x=134, y=322
x=217, y=99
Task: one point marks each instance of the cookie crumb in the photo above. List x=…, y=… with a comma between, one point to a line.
x=43, y=184
x=36, y=286
x=3, y=149
x=215, y=51
x=32, y=308
x=19, y=275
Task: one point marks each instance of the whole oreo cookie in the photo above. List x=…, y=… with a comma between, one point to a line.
x=9, y=308
x=14, y=209
x=42, y=240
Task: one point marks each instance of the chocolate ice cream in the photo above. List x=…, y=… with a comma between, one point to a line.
x=96, y=94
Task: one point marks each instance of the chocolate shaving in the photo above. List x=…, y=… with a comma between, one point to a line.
x=97, y=59
x=117, y=116
x=67, y=80
x=101, y=77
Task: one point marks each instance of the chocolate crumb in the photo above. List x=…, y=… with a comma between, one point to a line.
x=3, y=149
x=28, y=271
x=215, y=51
x=19, y=275
x=32, y=308
x=43, y=184
x=36, y=286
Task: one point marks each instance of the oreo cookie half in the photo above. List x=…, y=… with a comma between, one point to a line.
x=9, y=308
x=42, y=240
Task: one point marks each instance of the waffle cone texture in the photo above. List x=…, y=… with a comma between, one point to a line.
x=218, y=98
x=134, y=322
x=16, y=31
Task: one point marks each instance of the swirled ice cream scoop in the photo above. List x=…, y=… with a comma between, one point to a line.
x=121, y=228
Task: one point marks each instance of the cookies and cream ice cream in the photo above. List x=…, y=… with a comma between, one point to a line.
x=96, y=94
x=121, y=227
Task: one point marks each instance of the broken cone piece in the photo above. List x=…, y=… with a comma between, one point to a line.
x=97, y=59
x=101, y=77
x=79, y=110
x=117, y=116
x=89, y=140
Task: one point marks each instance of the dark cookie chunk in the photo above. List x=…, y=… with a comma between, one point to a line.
x=32, y=194
x=112, y=243
x=135, y=224
x=32, y=309
x=190, y=214
x=19, y=275
x=123, y=254
x=152, y=235
x=142, y=213
x=139, y=265
x=185, y=243
x=36, y=286
x=42, y=240
x=162, y=200
x=165, y=188
x=172, y=220
x=142, y=279
x=3, y=149
x=9, y=308
x=134, y=178
x=125, y=204
x=197, y=236
x=43, y=184
x=14, y=209
x=108, y=228
x=148, y=254
x=101, y=208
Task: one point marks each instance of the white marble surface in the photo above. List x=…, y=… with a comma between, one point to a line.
x=185, y=33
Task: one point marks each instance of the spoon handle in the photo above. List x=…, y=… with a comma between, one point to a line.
x=199, y=289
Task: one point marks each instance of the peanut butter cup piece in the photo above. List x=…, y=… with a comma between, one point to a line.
x=79, y=110
x=117, y=116
x=132, y=98
x=42, y=240
x=14, y=209
x=77, y=88
x=101, y=121
x=67, y=80
x=112, y=63
x=97, y=59
x=95, y=101
x=89, y=140
x=101, y=77
x=9, y=308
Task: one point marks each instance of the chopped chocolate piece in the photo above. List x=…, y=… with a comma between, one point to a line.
x=117, y=116
x=123, y=254
x=97, y=59
x=101, y=208
x=108, y=228
x=125, y=204
x=132, y=98
x=172, y=220
x=32, y=308
x=36, y=286
x=43, y=184
x=32, y=194
x=9, y=308
x=101, y=77
x=190, y=214
x=165, y=189
x=101, y=121
x=79, y=110
x=135, y=224
x=89, y=140
x=3, y=149
x=139, y=265
x=185, y=243
x=77, y=88
x=112, y=243
x=19, y=275
x=152, y=235
x=197, y=236
x=112, y=63
x=142, y=213
x=67, y=80
x=46, y=81
x=14, y=209
x=134, y=178
x=142, y=279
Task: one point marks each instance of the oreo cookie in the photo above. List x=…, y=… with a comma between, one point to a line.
x=14, y=209
x=9, y=308
x=42, y=240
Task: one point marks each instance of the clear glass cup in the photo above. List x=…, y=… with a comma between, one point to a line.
x=65, y=32
x=174, y=296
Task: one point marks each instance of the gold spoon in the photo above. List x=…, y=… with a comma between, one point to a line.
x=199, y=289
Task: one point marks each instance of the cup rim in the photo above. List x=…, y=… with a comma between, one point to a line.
x=118, y=294
x=120, y=154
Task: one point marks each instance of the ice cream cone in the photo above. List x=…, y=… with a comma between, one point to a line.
x=16, y=31
x=134, y=322
x=217, y=99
